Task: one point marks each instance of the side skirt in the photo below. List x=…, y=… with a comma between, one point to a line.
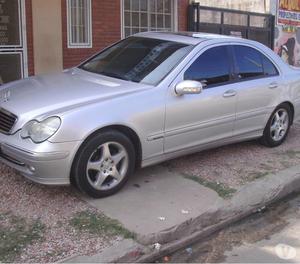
x=195, y=149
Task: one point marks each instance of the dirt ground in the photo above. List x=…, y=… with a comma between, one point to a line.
x=237, y=164
x=37, y=222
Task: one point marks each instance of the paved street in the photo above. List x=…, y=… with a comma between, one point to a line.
x=282, y=246
x=267, y=237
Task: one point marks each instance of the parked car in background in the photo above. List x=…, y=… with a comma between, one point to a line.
x=146, y=99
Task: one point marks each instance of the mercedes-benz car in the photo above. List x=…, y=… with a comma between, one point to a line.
x=146, y=99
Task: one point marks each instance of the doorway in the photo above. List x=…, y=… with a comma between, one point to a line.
x=13, y=54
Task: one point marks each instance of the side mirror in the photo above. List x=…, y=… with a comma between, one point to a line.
x=188, y=87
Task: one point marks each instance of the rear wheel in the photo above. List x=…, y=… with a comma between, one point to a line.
x=278, y=126
x=103, y=164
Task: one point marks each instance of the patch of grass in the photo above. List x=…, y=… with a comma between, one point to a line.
x=222, y=190
x=285, y=163
x=266, y=167
x=99, y=224
x=16, y=234
x=257, y=175
x=292, y=153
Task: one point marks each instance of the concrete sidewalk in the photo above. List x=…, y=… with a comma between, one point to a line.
x=156, y=192
x=155, y=200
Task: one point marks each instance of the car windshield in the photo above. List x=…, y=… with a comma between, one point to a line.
x=137, y=59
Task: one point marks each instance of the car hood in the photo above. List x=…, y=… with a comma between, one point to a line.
x=52, y=94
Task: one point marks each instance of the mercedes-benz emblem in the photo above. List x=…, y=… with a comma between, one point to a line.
x=6, y=96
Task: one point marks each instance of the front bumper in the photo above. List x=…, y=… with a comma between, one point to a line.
x=46, y=163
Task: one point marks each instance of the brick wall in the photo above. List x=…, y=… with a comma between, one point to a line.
x=182, y=14
x=29, y=31
x=106, y=30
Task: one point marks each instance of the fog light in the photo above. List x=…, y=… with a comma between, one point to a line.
x=31, y=168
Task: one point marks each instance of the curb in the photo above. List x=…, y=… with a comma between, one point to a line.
x=247, y=200
x=250, y=199
x=125, y=249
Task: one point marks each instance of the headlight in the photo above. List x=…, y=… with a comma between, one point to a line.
x=41, y=131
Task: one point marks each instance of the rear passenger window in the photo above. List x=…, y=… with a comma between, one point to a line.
x=211, y=68
x=249, y=62
x=269, y=68
x=252, y=63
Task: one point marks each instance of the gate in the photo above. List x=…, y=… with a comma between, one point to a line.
x=13, y=59
x=254, y=26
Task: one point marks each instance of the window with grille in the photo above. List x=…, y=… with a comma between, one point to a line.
x=79, y=23
x=148, y=15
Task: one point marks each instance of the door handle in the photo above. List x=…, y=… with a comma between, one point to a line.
x=273, y=85
x=229, y=93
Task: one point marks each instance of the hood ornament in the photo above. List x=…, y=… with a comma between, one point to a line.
x=6, y=96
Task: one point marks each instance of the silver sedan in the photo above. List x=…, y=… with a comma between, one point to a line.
x=146, y=99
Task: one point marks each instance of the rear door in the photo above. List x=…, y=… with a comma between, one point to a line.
x=258, y=86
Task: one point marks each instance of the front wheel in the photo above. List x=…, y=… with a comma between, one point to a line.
x=103, y=164
x=278, y=126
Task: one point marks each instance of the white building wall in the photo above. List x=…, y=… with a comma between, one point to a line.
x=273, y=6
x=259, y=6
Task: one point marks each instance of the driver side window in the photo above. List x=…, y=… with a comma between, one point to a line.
x=211, y=68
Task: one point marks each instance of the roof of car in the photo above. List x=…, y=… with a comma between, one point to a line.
x=192, y=38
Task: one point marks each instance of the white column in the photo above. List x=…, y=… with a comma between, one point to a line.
x=47, y=36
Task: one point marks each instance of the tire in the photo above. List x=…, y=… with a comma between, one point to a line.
x=277, y=127
x=103, y=164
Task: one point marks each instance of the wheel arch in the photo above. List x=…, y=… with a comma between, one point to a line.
x=266, y=137
x=291, y=107
x=132, y=135
x=127, y=131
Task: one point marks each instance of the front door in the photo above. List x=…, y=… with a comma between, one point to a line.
x=12, y=46
x=193, y=120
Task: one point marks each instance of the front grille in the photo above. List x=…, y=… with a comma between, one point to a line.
x=7, y=121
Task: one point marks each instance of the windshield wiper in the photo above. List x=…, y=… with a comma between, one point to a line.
x=114, y=75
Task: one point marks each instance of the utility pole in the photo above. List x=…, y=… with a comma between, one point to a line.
x=265, y=7
x=268, y=4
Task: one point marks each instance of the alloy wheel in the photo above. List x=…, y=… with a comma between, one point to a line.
x=107, y=166
x=279, y=124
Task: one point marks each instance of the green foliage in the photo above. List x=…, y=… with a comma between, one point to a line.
x=222, y=190
x=16, y=234
x=99, y=224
